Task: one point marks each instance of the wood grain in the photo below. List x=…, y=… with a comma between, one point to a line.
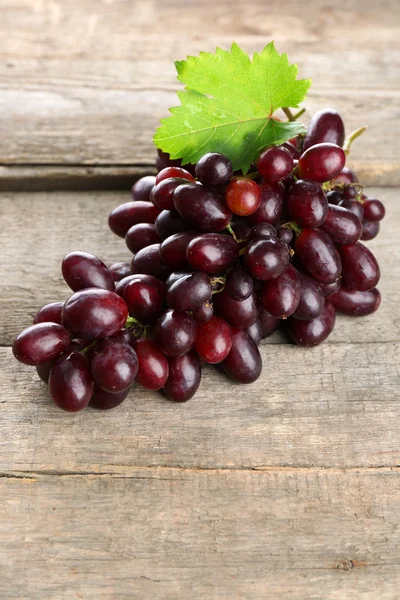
x=226, y=535
x=86, y=83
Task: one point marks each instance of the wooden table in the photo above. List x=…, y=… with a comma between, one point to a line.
x=286, y=489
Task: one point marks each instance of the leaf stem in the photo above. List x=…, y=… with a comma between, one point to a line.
x=351, y=137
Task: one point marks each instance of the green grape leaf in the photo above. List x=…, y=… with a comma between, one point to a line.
x=228, y=103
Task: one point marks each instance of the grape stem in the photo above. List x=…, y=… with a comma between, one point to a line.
x=229, y=228
x=87, y=349
x=351, y=137
x=291, y=116
x=293, y=226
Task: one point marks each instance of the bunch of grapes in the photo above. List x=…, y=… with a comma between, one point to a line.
x=220, y=261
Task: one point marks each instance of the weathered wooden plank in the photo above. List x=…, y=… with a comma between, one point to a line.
x=39, y=229
x=226, y=535
x=337, y=405
x=95, y=96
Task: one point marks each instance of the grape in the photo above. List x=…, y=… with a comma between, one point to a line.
x=170, y=222
x=266, y=258
x=325, y=126
x=94, y=313
x=334, y=197
x=271, y=204
x=318, y=255
x=105, y=401
x=144, y=301
x=173, y=249
x=373, y=210
x=201, y=207
x=119, y=270
x=142, y=188
x=346, y=176
x=124, y=216
x=175, y=332
x=342, y=225
x=243, y=363
x=114, y=365
x=255, y=331
x=141, y=235
x=269, y=324
x=285, y=235
x=263, y=230
x=153, y=365
x=370, y=230
x=239, y=284
x=148, y=261
x=43, y=370
x=159, y=285
x=312, y=300
x=360, y=268
x=212, y=253
x=162, y=194
x=275, y=163
x=355, y=207
x=291, y=147
x=321, y=162
x=214, y=170
x=241, y=229
x=83, y=270
x=174, y=276
x=174, y=173
x=316, y=331
x=281, y=295
x=49, y=313
x=238, y=313
x=330, y=288
x=242, y=196
x=184, y=377
x=307, y=204
x=349, y=192
x=203, y=313
x=189, y=292
x=355, y=303
x=40, y=343
x=128, y=336
x=70, y=382
x=214, y=341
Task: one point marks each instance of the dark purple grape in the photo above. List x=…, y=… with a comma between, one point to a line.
x=312, y=300
x=202, y=207
x=214, y=341
x=370, y=230
x=114, y=365
x=355, y=303
x=163, y=192
x=141, y=235
x=280, y=296
x=292, y=149
x=119, y=270
x=173, y=249
x=83, y=270
x=40, y=343
x=316, y=331
x=214, y=170
x=212, y=253
x=330, y=288
x=49, y=313
x=321, y=162
x=355, y=207
x=141, y=189
x=70, y=382
x=285, y=235
x=184, y=377
x=94, y=314
x=269, y=324
x=203, y=313
x=263, y=230
x=373, y=210
x=275, y=163
x=239, y=284
x=360, y=268
x=266, y=258
x=334, y=197
x=271, y=205
x=349, y=192
x=238, y=313
x=153, y=365
x=307, y=204
x=102, y=400
x=157, y=283
x=243, y=363
x=170, y=222
x=174, y=276
x=325, y=126
x=128, y=336
x=124, y=216
x=148, y=262
x=255, y=331
x=43, y=370
x=318, y=255
x=241, y=229
x=342, y=225
x=175, y=332
x=144, y=301
x=189, y=292
x=346, y=176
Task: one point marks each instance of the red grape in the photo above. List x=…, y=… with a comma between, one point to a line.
x=214, y=341
x=325, y=126
x=184, y=377
x=70, y=382
x=189, y=292
x=316, y=331
x=355, y=303
x=40, y=343
x=275, y=163
x=318, y=255
x=153, y=365
x=214, y=170
x=271, y=204
x=49, y=313
x=148, y=261
x=360, y=268
x=124, y=216
x=102, y=400
x=307, y=204
x=141, y=235
x=175, y=332
x=266, y=258
x=83, y=270
x=280, y=296
x=242, y=196
x=174, y=172
x=142, y=188
x=114, y=365
x=243, y=363
x=201, y=207
x=342, y=225
x=321, y=162
x=144, y=301
x=212, y=253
